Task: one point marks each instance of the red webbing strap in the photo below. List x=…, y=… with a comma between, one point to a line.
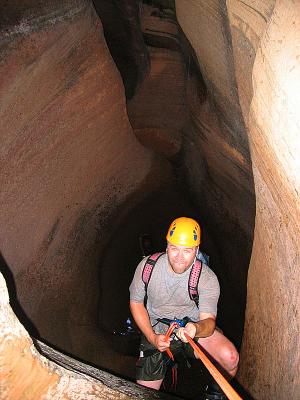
x=194, y=280
x=174, y=376
x=148, y=268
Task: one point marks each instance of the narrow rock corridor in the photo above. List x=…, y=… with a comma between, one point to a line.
x=117, y=116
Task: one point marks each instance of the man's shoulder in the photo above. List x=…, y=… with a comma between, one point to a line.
x=160, y=259
x=208, y=274
x=159, y=262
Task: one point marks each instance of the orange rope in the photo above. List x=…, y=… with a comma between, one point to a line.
x=167, y=336
x=168, y=351
x=219, y=378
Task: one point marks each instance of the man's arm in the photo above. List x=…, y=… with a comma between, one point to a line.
x=142, y=320
x=203, y=328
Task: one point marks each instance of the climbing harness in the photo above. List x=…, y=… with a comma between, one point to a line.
x=180, y=322
x=173, y=324
x=193, y=277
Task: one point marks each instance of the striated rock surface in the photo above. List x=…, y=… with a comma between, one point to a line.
x=249, y=55
x=26, y=374
x=216, y=155
x=69, y=159
x=72, y=170
x=271, y=352
x=121, y=24
x=247, y=26
x=158, y=110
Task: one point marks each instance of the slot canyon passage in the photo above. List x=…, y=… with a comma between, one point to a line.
x=116, y=117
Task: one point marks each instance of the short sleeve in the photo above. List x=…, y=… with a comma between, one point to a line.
x=209, y=291
x=137, y=286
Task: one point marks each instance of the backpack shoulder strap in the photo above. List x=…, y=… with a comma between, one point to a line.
x=148, y=268
x=194, y=280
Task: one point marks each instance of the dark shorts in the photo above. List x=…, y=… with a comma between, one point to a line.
x=152, y=364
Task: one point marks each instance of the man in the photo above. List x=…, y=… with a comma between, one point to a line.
x=168, y=297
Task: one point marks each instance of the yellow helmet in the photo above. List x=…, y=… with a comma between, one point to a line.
x=184, y=232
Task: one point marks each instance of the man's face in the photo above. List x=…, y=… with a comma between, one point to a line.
x=180, y=257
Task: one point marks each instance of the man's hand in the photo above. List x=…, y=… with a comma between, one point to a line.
x=160, y=342
x=190, y=329
x=203, y=328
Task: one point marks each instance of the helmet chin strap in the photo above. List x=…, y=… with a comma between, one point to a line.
x=197, y=252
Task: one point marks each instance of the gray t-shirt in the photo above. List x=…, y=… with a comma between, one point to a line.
x=168, y=295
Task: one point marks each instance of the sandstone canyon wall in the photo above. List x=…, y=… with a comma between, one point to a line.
x=158, y=111
x=123, y=34
x=26, y=374
x=249, y=55
x=271, y=350
x=72, y=168
x=216, y=154
x=69, y=159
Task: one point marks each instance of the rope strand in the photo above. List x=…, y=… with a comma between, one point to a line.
x=219, y=378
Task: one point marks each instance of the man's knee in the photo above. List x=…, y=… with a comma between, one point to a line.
x=229, y=358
